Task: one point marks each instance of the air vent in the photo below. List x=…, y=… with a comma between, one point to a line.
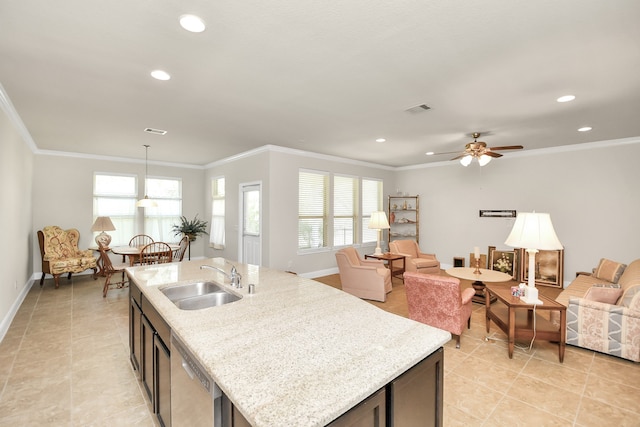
x=418, y=109
x=155, y=131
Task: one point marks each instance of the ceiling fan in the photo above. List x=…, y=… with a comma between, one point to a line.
x=479, y=150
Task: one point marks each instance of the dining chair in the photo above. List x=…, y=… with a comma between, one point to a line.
x=179, y=254
x=155, y=253
x=139, y=240
x=109, y=270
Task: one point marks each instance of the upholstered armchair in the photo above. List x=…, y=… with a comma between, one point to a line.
x=60, y=253
x=415, y=261
x=368, y=279
x=437, y=301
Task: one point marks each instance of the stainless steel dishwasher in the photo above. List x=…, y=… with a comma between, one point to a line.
x=195, y=399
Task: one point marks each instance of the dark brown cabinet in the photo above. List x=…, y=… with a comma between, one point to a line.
x=369, y=413
x=149, y=353
x=414, y=399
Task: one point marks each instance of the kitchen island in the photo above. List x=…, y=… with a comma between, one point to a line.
x=294, y=353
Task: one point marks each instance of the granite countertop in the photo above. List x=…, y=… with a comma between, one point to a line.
x=296, y=352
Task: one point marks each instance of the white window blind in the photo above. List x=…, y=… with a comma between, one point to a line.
x=344, y=209
x=371, y=202
x=159, y=221
x=313, y=188
x=217, y=235
x=115, y=196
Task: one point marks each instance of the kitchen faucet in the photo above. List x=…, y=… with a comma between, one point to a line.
x=234, y=277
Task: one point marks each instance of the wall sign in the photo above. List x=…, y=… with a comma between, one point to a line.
x=497, y=214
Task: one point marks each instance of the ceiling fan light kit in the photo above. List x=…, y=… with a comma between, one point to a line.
x=479, y=150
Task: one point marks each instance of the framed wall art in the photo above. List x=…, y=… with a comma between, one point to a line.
x=549, y=267
x=504, y=261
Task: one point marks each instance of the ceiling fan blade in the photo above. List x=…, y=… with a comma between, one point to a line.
x=507, y=147
x=460, y=156
x=492, y=154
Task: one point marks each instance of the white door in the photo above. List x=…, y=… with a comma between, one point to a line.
x=251, y=240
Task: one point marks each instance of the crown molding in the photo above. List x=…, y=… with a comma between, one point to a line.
x=14, y=117
x=269, y=148
x=538, y=152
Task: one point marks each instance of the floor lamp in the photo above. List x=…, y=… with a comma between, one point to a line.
x=533, y=231
x=379, y=222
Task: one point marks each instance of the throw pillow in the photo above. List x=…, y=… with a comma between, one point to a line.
x=606, y=294
x=609, y=270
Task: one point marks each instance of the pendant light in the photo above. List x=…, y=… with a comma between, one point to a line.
x=146, y=202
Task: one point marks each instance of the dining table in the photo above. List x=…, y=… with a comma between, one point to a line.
x=133, y=252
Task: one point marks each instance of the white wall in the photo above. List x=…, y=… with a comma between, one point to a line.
x=63, y=193
x=16, y=262
x=278, y=169
x=591, y=194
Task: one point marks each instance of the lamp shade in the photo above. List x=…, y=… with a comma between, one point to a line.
x=103, y=223
x=146, y=202
x=533, y=230
x=378, y=220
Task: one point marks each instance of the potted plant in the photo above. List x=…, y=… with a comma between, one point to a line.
x=191, y=229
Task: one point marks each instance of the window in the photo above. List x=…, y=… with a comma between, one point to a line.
x=216, y=237
x=115, y=196
x=159, y=221
x=312, y=209
x=371, y=202
x=345, y=189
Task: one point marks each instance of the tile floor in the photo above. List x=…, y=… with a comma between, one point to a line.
x=64, y=362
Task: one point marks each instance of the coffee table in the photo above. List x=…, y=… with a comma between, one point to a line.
x=520, y=320
x=468, y=273
x=390, y=258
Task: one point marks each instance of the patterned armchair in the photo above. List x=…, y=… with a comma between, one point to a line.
x=415, y=261
x=437, y=301
x=368, y=279
x=60, y=253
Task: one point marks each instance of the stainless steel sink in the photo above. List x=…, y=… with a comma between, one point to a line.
x=195, y=296
x=210, y=300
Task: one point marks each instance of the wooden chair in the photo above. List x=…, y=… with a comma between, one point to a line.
x=60, y=253
x=179, y=254
x=138, y=240
x=109, y=270
x=156, y=253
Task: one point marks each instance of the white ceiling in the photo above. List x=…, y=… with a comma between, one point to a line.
x=324, y=76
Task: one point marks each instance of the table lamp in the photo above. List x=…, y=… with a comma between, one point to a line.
x=378, y=221
x=103, y=223
x=533, y=231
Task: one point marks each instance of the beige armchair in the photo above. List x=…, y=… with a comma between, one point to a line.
x=415, y=261
x=368, y=279
x=60, y=253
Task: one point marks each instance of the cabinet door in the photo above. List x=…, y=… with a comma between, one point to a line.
x=135, y=352
x=369, y=413
x=416, y=395
x=162, y=381
x=146, y=359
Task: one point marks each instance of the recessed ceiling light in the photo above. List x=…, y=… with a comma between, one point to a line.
x=566, y=98
x=429, y=153
x=192, y=23
x=585, y=129
x=160, y=75
x=381, y=140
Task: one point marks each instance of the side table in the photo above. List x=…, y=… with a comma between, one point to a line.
x=389, y=258
x=484, y=275
x=519, y=320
